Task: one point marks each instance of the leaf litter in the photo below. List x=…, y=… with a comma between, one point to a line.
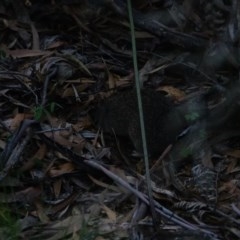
x=61, y=178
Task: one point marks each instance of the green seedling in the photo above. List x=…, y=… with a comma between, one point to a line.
x=9, y=228
x=186, y=152
x=41, y=111
x=191, y=117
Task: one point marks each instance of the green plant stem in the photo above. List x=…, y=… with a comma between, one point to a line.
x=139, y=99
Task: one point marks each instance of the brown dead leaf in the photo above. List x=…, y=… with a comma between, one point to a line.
x=57, y=185
x=233, y=166
x=67, y=131
x=2, y=144
x=41, y=212
x=38, y=155
x=229, y=189
x=125, y=81
x=144, y=35
x=104, y=185
x=56, y=44
x=110, y=213
x=17, y=120
x=74, y=142
x=176, y=93
x=120, y=173
x=78, y=143
x=233, y=153
x=112, y=80
x=94, y=211
x=63, y=205
x=66, y=136
x=61, y=169
x=35, y=37
x=82, y=123
x=69, y=91
x=59, y=139
x=66, y=227
x=55, y=122
x=28, y=195
x=23, y=53
x=100, y=238
x=106, y=226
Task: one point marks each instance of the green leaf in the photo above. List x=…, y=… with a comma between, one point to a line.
x=185, y=152
x=39, y=112
x=192, y=116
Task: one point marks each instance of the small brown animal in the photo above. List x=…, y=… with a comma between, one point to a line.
x=163, y=120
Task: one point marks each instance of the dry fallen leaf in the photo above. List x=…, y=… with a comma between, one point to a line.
x=176, y=93
x=61, y=169
x=110, y=213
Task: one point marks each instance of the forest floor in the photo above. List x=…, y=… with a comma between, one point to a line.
x=59, y=177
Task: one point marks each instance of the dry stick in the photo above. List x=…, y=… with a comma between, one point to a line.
x=45, y=85
x=15, y=139
x=140, y=108
x=18, y=76
x=159, y=208
x=15, y=156
x=93, y=165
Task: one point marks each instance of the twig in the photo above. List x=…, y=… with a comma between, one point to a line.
x=169, y=215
